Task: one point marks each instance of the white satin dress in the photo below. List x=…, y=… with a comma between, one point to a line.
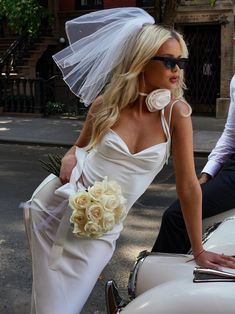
x=65, y=268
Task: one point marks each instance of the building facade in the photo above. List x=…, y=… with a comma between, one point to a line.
x=208, y=31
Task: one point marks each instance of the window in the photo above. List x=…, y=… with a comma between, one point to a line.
x=89, y=4
x=146, y=3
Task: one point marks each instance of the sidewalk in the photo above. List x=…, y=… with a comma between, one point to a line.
x=38, y=130
x=64, y=131
x=206, y=132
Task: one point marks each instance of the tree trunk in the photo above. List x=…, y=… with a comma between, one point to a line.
x=158, y=11
x=170, y=12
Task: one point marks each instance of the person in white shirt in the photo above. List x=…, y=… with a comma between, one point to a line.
x=217, y=181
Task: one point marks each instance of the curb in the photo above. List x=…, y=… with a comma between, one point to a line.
x=32, y=143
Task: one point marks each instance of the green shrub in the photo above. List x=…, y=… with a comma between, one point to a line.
x=53, y=108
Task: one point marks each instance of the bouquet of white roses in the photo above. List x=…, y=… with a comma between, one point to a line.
x=98, y=209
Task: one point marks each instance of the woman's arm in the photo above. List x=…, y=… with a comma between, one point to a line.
x=188, y=188
x=69, y=160
x=187, y=185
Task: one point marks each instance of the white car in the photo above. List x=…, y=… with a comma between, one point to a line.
x=173, y=284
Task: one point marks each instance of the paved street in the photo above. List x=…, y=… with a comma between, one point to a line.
x=20, y=173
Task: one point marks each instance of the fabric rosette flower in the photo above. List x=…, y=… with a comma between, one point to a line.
x=98, y=209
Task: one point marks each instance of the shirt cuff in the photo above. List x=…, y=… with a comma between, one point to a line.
x=212, y=167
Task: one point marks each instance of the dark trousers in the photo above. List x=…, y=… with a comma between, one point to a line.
x=218, y=195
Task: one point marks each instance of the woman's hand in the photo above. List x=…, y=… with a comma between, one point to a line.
x=214, y=261
x=67, y=164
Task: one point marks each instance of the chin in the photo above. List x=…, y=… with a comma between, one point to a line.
x=172, y=87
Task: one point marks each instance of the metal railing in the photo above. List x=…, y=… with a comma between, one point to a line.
x=39, y=96
x=23, y=95
x=15, y=52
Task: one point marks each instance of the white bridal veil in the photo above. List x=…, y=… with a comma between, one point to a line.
x=97, y=43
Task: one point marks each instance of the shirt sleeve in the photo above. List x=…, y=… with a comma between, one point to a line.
x=225, y=146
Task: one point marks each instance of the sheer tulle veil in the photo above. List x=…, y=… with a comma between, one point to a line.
x=98, y=42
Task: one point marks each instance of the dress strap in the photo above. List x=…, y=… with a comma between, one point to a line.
x=171, y=108
x=166, y=130
x=167, y=124
x=170, y=113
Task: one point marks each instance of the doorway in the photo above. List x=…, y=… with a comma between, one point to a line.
x=203, y=71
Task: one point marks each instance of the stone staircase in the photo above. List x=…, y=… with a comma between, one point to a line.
x=5, y=43
x=26, y=65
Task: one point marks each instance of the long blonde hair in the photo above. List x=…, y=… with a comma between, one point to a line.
x=123, y=88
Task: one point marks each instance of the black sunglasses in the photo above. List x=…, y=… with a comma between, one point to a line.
x=170, y=63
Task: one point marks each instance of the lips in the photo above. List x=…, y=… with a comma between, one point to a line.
x=174, y=79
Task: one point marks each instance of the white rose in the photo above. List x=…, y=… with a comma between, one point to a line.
x=119, y=214
x=108, y=221
x=78, y=217
x=113, y=188
x=96, y=191
x=79, y=200
x=95, y=212
x=123, y=202
x=78, y=229
x=120, y=211
x=93, y=230
x=110, y=202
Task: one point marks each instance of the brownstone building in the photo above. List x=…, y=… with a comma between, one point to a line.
x=208, y=31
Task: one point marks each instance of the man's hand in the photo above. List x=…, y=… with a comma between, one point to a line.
x=204, y=177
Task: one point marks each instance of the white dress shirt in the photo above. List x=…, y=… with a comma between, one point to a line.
x=225, y=146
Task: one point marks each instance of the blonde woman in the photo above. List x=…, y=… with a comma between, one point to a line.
x=126, y=137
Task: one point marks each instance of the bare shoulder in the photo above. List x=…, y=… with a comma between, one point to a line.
x=181, y=109
x=178, y=112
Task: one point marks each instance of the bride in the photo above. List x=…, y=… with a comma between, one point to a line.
x=137, y=68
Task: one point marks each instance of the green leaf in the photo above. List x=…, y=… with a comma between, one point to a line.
x=21, y=13
x=53, y=164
